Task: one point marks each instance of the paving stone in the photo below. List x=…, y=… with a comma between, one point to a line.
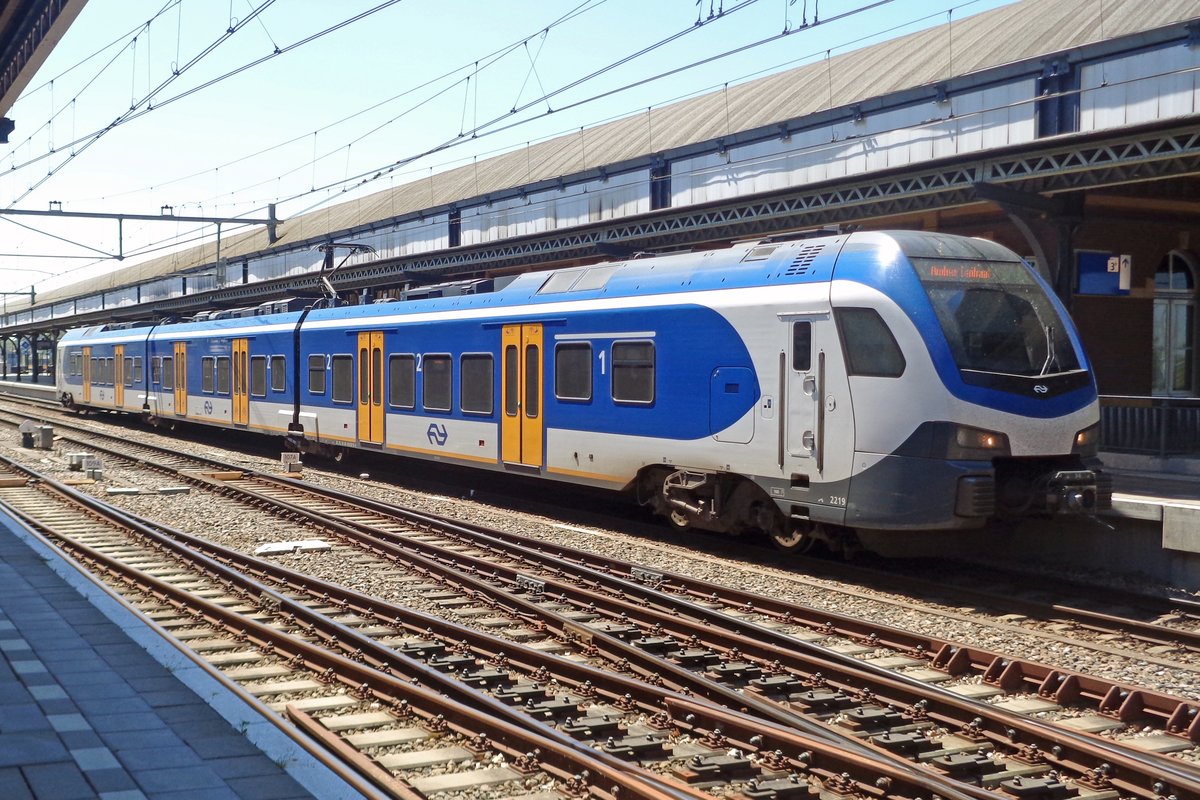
x=18, y=717
x=58, y=782
x=114, y=781
x=50, y=692
x=158, y=757
x=68, y=722
x=30, y=747
x=91, y=759
x=265, y=787
x=13, y=785
x=156, y=781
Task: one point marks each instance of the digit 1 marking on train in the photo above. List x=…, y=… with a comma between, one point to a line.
x=601, y=361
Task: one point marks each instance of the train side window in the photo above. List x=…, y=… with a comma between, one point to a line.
x=168, y=372
x=802, y=346
x=137, y=369
x=155, y=370
x=208, y=366
x=278, y=374
x=223, y=372
x=258, y=376
x=868, y=343
x=633, y=372
x=127, y=371
x=476, y=378
x=316, y=374
x=343, y=379
x=512, y=378
x=436, y=384
x=108, y=371
x=402, y=381
x=573, y=371
x=95, y=375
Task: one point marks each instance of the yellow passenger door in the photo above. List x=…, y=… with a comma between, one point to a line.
x=87, y=374
x=521, y=427
x=241, y=381
x=370, y=387
x=180, y=366
x=119, y=375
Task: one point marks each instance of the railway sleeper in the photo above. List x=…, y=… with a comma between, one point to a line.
x=717, y=768
x=789, y=788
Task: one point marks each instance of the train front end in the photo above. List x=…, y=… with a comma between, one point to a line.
x=999, y=415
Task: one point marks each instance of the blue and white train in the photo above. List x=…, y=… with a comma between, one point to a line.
x=805, y=388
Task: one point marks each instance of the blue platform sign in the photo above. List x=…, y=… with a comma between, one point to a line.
x=1103, y=273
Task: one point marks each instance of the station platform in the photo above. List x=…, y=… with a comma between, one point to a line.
x=94, y=703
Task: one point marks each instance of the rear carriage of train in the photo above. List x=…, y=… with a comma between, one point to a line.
x=103, y=367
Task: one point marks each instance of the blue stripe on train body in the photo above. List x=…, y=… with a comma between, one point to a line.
x=681, y=334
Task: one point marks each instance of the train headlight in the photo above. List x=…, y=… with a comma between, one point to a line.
x=1087, y=441
x=976, y=443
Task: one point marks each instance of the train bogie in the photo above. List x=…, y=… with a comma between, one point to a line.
x=802, y=388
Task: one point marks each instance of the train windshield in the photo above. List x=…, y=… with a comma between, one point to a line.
x=996, y=317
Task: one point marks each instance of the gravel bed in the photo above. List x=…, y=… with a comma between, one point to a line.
x=234, y=526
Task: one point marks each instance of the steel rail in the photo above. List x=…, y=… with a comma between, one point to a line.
x=348, y=638
x=1079, y=753
x=512, y=735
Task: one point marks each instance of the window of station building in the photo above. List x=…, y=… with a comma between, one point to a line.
x=436, y=385
x=476, y=380
x=258, y=376
x=208, y=368
x=633, y=372
x=156, y=370
x=343, y=379
x=278, y=374
x=223, y=374
x=801, y=346
x=402, y=381
x=573, y=371
x=316, y=374
x=168, y=372
x=137, y=369
x=868, y=343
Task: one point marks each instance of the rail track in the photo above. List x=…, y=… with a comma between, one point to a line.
x=760, y=650
x=417, y=718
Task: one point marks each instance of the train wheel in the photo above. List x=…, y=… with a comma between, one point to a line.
x=338, y=454
x=801, y=538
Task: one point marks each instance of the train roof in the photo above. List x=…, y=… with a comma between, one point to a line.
x=759, y=263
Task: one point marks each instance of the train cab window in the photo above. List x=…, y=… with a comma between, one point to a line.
x=573, y=371
x=343, y=379
x=868, y=343
x=258, y=376
x=208, y=369
x=155, y=370
x=802, y=346
x=137, y=369
x=278, y=374
x=475, y=389
x=633, y=372
x=223, y=374
x=436, y=385
x=316, y=374
x=402, y=381
x=168, y=372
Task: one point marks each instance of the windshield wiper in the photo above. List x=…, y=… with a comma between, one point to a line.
x=1051, y=358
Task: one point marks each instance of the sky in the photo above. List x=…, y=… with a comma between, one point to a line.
x=219, y=107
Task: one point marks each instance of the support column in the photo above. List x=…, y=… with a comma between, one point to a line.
x=35, y=368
